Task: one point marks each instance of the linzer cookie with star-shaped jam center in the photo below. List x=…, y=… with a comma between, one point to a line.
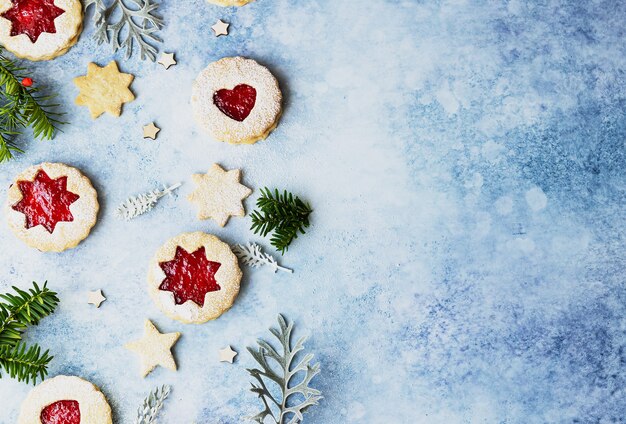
x=40, y=29
x=194, y=278
x=236, y=100
x=52, y=207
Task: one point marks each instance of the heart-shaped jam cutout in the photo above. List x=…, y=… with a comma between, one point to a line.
x=32, y=17
x=236, y=103
x=61, y=412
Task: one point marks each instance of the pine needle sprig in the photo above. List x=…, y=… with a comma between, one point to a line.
x=252, y=255
x=138, y=205
x=136, y=25
x=22, y=309
x=25, y=364
x=17, y=312
x=284, y=214
x=147, y=413
x=286, y=409
x=22, y=107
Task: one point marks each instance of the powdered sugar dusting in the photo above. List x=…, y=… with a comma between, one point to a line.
x=227, y=73
x=48, y=45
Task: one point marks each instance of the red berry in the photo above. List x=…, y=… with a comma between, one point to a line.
x=27, y=82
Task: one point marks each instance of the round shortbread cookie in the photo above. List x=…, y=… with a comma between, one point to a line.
x=52, y=229
x=236, y=100
x=48, y=45
x=65, y=399
x=194, y=278
x=227, y=3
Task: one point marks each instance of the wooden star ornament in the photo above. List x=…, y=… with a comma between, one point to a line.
x=95, y=298
x=219, y=194
x=227, y=355
x=220, y=28
x=154, y=349
x=167, y=60
x=104, y=89
x=151, y=131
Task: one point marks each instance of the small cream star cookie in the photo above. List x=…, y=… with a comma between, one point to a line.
x=95, y=298
x=154, y=349
x=104, y=89
x=227, y=354
x=151, y=131
x=219, y=194
x=220, y=28
x=167, y=60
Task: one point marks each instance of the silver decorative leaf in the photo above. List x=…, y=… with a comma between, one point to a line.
x=283, y=410
x=127, y=24
x=252, y=255
x=142, y=203
x=152, y=404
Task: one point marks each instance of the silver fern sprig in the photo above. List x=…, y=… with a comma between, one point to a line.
x=152, y=404
x=280, y=366
x=252, y=255
x=136, y=25
x=138, y=205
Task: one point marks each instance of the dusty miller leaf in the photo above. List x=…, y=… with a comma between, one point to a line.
x=290, y=412
x=148, y=411
x=252, y=255
x=136, y=25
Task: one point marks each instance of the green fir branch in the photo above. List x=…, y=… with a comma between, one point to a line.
x=283, y=410
x=18, y=311
x=22, y=107
x=283, y=214
x=26, y=364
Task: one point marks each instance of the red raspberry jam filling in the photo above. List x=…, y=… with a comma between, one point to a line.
x=190, y=276
x=32, y=17
x=61, y=412
x=236, y=103
x=45, y=201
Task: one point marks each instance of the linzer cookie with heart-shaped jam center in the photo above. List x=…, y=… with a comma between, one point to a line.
x=237, y=100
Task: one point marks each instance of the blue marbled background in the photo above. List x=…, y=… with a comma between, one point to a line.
x=466, y=163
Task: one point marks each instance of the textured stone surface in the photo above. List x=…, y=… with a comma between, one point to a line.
x=465, y=161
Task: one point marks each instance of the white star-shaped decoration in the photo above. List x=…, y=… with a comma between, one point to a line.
x=220, y=28
x=95, y=298
x=219, y=194
x=150, y=131
x=154, y=349
x=167, y=60
x=227, y=354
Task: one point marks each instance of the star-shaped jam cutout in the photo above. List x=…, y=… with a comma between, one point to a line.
x=190, y=276
x=33, y=17
x=45, y=201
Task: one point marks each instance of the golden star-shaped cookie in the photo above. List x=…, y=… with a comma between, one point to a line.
x=95, y=298
x=104, y=89
x=219, y=194
x=154, y=349
x=227, y=354
x=220, y=28
x=151, y=131
x=167, y=60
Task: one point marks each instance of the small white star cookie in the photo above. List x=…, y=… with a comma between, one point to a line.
x=167, y=60
x=154, y=349
x=219, y=194
x=227, y=354
x=220, y=28
x=151, y=131
x=95, y=298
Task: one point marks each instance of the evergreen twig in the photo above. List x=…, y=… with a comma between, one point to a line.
x=284, y=214
x=22, y=107
x=17, y=312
